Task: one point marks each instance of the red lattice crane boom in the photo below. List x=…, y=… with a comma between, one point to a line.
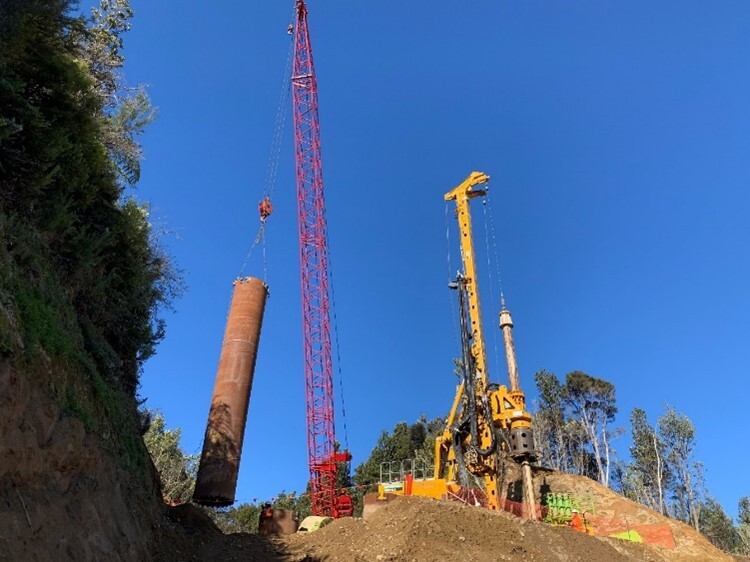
x=313, y=241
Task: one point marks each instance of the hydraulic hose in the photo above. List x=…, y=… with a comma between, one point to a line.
x=468, y=377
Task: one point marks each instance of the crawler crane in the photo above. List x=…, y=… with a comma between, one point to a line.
x=486, y=420
x=313, y=240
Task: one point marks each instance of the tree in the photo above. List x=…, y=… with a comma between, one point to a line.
x=177, y=471
x=592, y=401
x=240, y=519
x=648, y=475
x=85, y=268
x=550, y=423
x=717, y=526
x=299, y=504
x=743, y=511
x=743, y=527
x=127, y=110
x=416, y=441
x=432, y=429
x=664, y=474
x=562, y=432
x=83, y=281
x=677, y=433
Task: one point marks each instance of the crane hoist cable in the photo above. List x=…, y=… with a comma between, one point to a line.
x=265, y=207
x=489, y=225
x=334, y=321
x=337, y=347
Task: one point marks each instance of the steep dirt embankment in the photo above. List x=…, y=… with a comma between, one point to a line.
x=62, y=495
x=616, y=513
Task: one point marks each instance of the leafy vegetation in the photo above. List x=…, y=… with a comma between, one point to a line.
x=572, y=423
x=663, y=473
x=652, y=458
x=240, y=519
x=718, y=527
x=83, y=280
x=743, y=527
x=572, y=428
x=83, y=277
x=177, y=471
x=404, y=441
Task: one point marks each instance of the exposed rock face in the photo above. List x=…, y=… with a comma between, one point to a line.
x=62, y=495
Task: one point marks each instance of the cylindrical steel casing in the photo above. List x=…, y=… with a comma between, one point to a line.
x=222, y=446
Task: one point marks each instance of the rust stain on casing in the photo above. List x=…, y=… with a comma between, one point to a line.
x=222, y=446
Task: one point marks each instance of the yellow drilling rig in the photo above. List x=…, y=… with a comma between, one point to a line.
x=487, y=421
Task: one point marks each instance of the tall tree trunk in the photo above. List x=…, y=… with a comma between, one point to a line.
x=562, y=456
x=605, y=442
x=590, y=427
x=692, y=507
x=659, y=475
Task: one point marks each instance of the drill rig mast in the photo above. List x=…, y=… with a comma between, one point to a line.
x=485, y=417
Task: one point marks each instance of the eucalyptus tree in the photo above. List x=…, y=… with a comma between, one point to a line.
x=592, y=402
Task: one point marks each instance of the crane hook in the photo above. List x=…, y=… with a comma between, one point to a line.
x=265, y=209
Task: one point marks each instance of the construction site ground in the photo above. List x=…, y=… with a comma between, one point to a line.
x=427, y=530
x=65, y=497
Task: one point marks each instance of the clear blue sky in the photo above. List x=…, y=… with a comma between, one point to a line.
x=616, y=134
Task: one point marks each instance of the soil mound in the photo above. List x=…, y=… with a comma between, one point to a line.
x=193, y=519
x=415, y=529
x=426, y=530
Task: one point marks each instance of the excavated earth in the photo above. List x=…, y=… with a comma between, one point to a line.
x=425, y=530
x=63, y=496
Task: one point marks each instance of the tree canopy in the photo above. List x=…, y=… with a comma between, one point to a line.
x=404, y=441
x=177, y=470
x=572, y=423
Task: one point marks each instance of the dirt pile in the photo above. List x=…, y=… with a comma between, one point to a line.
x=190, y=535
x=426, y=530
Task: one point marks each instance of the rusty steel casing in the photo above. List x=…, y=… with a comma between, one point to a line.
x=222, y=446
